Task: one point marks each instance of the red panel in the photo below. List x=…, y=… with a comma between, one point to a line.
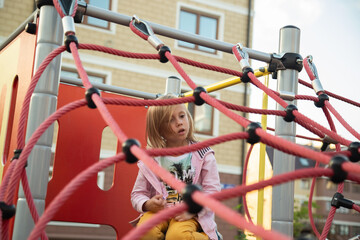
x=78, y=147
x=20, y=61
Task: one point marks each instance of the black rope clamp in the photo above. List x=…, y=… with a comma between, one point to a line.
x=69, y=39
x=245, y=77
x=322, y=97
x=335, y=164
x=289, y=117
x=324, y=146
x=251, y=130
x=8, y=211
x=88, y=95
x=194, y=207
x=130, y=158
x=197, y=91
x=338, y=201
x=162, y=51
x=17, y=153
x=354, y=150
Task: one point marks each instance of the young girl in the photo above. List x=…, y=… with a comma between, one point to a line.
x=172, y=126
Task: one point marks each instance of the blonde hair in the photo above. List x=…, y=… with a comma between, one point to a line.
x=158, y=123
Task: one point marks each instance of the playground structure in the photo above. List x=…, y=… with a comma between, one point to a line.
x=62, y=174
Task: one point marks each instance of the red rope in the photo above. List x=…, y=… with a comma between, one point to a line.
x=16, y=170
x=356, y=207
x=139, y=231
x=25, y=107
x=341, y=120
x=357, y=104
x=68, y=190
x=311, y=218
x=244, y=182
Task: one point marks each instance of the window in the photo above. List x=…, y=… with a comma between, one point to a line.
x=105, y=4
x=355, y=230
x=355, y=188
x=203, y=118
x=93, y=77
x=344, y=230
x=198, y=23
x=305, y=184
x=331, y=186
x=333, y=229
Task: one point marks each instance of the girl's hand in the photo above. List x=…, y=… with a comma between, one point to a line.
x=155, y=204
x=184, y=216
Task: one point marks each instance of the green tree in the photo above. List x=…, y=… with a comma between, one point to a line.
x=301, y=217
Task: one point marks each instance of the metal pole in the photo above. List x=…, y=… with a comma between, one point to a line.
x=173, y=85
x=110, y=88
x=283, y=195
x=170, y=32
x=43, y=103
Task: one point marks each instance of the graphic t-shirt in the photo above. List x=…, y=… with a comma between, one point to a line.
x=182, y=169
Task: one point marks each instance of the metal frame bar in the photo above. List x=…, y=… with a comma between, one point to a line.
x=110, y=88
x=19, y=29
x=122, y=19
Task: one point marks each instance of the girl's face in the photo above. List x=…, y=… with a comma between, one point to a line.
x=179, y=128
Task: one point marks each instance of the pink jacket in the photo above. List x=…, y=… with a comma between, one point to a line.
x=148, y=185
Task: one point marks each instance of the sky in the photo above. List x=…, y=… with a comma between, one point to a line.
x=330, y=32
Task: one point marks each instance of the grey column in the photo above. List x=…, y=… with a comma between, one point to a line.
x=173, y=85
x=43, y=103
x=283, y=195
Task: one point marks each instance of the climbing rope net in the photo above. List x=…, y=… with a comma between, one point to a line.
x=340, y=165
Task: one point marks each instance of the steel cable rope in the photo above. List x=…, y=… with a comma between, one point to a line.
x=244, y=122
x=240, y=190
x=296, y=113
x=341, y=120
x=340, y=187
x=313, y=75
x=244, y=182
x=357, y=104
x=312, y=223
x=356, y=207
x=106, y=115
x=78, y=65
x=99, y=100
x=298, y=136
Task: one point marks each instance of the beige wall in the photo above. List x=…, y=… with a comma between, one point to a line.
x=13, y=13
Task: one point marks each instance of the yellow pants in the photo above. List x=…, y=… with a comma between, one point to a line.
x=172, y=229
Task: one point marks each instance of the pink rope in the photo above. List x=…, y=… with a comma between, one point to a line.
x=311, y=218
x=356, y=207
x=30, y=201
x=68, y=190
x=332, y=94
x=161, y=216
x=328, y=223
x=341, y=120
x=244, y=182
x=16, y=170
x=236, y=219
x=15, y=174
x=25, y=107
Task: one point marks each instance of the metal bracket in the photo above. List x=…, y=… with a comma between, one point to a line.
x=285, y=61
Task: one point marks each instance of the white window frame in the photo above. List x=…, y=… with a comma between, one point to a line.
x=112, y=27
x=216, y=117
x=221, y=19
x=95, y=71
